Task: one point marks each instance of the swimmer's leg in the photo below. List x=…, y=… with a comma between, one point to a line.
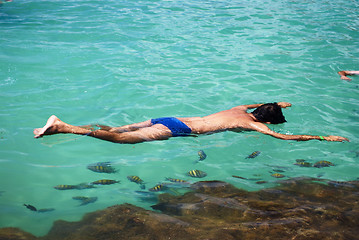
x=131, y=127
x=125, y=128
x=54, y=126
x=94, y=127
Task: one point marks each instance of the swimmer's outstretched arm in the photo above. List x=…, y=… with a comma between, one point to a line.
x=344, y=74
x=260, y=127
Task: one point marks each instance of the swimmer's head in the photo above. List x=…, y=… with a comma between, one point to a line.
x=269, y=112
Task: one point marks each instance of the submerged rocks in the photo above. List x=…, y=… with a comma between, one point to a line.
x=120, y=222
x=299, y=208
x=11, y=233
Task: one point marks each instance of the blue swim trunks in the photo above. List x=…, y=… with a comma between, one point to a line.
x=177, y=127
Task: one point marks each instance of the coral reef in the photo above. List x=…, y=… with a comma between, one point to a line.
x=295, y=209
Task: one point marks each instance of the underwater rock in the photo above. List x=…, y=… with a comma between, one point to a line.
x=121, y=222
x=11, y=233
x=297, y=208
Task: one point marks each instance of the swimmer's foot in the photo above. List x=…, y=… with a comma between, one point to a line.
x=50, y=128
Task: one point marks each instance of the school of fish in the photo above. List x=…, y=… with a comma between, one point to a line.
x=170, y=185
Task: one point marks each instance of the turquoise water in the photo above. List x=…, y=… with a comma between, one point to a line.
x=119, y=62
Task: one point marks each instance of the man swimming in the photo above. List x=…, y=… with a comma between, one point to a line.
x=234, y=119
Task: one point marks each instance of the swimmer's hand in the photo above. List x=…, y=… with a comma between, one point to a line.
x=284, y=104
x=335, y=139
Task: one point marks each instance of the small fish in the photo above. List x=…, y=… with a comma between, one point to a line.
x=302, y=163
x=251, y=179
x=137, y=180
x=261, y=182
x=32, y=208
x=176, y=180
x=82, y=186
x=105, y=182
x=42, y=210
x=201, y=155
x=85, y=200
x=197, y=173
x=81, y=198
x=321, y=164
x=253, y=154
x=239, y=177
x=277, y=175
x=65, y=187
x=102, y=167
x=88, y=200
x=158, y=187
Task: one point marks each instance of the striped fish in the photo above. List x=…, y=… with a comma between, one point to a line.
x=277, y=175
x=82, y=186
x=105, y=182
x=176, y=180
x=102, y=167
x=65, y=187
x=201, y=155
x=253, y=154
x=138, y=180
x=196, y=174
x=158, y=187
x=302, y=163
x=321, y=164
